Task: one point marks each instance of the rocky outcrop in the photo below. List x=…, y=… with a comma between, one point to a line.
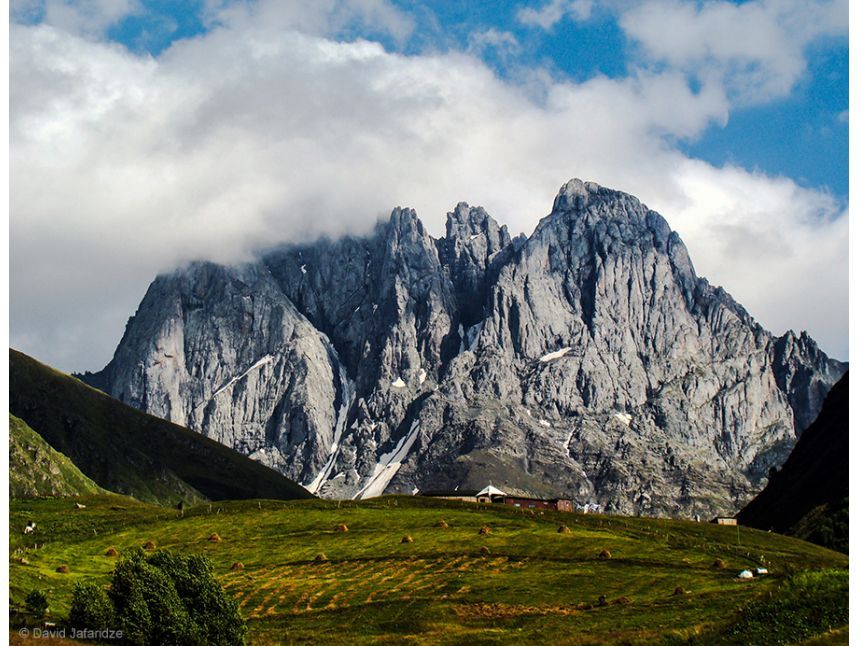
x=588, y=360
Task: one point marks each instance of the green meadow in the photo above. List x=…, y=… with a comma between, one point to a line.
x=302, y=580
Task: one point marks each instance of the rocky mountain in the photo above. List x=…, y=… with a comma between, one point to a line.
x=587, y=360
x=808, y=496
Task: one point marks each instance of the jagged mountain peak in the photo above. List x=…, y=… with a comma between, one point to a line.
x=403, y=220
x=587, y=360
x=574, y=194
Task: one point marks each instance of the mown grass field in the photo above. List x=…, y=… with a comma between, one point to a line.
x=532, y=583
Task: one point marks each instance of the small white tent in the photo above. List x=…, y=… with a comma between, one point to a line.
x=488, y=492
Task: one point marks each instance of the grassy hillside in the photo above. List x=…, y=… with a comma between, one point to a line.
x=37, y=470
x=808, y=497
x=305, y=582
x=127, y=451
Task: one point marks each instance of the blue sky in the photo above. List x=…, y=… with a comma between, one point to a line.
x=173, y=130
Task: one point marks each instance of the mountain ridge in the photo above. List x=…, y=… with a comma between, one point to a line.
x=587, y=360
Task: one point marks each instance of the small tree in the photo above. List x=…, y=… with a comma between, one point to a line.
x=159, y=599
x=37, y=603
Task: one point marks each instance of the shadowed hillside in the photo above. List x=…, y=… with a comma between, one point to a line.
x=127, y=451
x=808, y=497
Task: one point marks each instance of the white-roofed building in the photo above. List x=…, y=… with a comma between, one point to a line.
x=488, y=493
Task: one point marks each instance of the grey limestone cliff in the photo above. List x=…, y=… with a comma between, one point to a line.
x=587, y=360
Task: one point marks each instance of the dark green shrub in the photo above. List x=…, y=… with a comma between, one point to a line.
x=91, y=608
x=162, y=598
x=37, y=603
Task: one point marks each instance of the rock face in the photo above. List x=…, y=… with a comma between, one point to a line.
x=587, y=360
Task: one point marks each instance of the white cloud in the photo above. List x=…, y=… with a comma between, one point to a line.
x=85, y=17
x=124, y=165
x=755, y=48
x=503, y=42
x=550, y=14
x=781, y=250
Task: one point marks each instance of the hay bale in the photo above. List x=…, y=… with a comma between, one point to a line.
x=341, y=528
x=563, y=529
x=679, y=591
x=237, y=566
x=485, y=550
x=319, y=558
x=485, y=530
x=214, y=538
x=149, y=545
x=111, y=551
x=406, y=539
x=441, y=523
x=622, y=601
x=63, y=569
x=604, y=554
x=719, y=564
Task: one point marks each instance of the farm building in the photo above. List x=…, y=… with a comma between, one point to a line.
x=491, y=494
x=725, y=520
x=556, y=504
x=467, y=495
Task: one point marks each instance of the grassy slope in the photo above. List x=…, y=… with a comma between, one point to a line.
x=130, y=452
x=36, y=470
x=535, y=584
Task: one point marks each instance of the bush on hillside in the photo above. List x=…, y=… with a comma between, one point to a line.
x=162, y=598
x=91, y=608
x=37, y=603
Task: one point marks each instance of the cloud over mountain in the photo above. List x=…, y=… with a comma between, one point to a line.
x=272, y=126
